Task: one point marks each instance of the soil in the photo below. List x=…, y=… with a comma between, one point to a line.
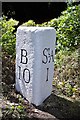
x=55, y=107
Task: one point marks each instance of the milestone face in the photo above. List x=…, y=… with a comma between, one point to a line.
x=35, y=49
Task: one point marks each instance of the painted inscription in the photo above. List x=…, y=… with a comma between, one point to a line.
x=48, y=58
x=48, y=55
x=24, y=56
x=26, y=72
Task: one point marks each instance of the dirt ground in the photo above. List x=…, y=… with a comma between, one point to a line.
x=55, y=107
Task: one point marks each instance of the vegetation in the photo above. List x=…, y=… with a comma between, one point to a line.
x=66, y=75
x=68, y=37
x=8, y=38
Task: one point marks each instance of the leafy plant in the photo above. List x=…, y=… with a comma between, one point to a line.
x=68, y=30
x=29, y=23
x=66, y=73
x=8, y=38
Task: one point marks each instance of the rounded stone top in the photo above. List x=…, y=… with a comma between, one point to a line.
x=34, y=29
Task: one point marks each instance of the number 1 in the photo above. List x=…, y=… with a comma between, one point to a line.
x=47, y=74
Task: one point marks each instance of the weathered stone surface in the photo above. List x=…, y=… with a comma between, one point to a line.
x=35, y=49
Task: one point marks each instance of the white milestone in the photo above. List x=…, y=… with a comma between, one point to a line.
x=35, y=50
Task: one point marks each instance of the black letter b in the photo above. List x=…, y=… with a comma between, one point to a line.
x=24, y=58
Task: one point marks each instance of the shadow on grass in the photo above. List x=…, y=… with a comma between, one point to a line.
x=61, y=108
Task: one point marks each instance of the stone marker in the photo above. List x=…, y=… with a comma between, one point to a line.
x=35, y=49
